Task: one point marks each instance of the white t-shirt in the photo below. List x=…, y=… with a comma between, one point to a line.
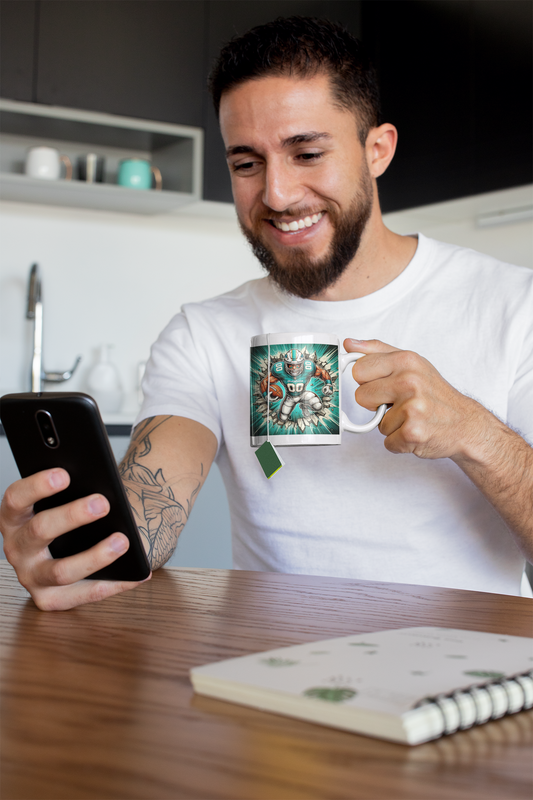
x=356, y=510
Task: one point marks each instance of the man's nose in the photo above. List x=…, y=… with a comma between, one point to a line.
x=282, y=188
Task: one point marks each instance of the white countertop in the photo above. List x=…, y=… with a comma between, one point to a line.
x=118, y=419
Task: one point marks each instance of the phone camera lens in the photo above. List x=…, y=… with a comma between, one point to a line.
x=46, y=426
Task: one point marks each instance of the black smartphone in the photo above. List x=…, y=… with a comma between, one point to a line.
x=60, y=429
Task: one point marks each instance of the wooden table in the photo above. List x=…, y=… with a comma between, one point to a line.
x=97, y=702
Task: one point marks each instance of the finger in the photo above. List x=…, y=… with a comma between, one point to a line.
x=368, y=346
x=81, y=593
x=405, y=430
x=410, y=367
x=47, y=525
x=374, y=367
x=392, y=421
x=396, y=442
x=69, y=570
x=373, y=392
x=20, y=497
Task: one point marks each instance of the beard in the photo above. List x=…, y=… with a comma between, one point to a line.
x=303, y=276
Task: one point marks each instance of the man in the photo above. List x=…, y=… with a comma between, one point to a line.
x=299, y=115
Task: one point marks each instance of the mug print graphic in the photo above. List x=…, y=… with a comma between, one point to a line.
x=304, y=390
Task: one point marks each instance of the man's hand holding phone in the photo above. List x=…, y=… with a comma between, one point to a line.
x=68, y=519
x=57, y=583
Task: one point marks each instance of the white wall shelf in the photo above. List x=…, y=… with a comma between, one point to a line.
x=177, y=150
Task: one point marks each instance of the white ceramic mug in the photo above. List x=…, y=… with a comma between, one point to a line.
x=45, y=163
x=295, y=397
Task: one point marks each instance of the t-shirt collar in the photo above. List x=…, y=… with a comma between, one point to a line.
x=371, y=303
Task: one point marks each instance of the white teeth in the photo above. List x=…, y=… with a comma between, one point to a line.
x=297, y=225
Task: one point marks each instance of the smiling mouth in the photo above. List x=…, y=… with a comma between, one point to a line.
x=297, y=224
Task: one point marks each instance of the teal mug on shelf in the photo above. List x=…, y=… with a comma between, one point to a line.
x=136, y=173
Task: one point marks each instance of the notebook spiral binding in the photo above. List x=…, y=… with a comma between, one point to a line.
x=477, y=704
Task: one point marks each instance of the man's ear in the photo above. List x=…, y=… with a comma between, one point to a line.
x=380, y=148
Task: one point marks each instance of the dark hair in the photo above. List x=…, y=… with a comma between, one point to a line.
x=302, y=46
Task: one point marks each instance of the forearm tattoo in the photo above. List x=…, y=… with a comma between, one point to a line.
x=159, y=515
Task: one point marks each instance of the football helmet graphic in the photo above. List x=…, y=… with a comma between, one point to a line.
x=294, y=362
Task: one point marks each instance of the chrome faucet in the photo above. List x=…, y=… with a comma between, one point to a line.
x=35, y=312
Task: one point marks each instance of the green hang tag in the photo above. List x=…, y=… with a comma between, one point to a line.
x=269, y=458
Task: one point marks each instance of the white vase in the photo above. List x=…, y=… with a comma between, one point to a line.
x=104, y=383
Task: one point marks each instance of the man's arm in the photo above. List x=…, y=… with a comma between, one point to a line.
x=431, y=419
x=162, y=479
x=180, y=453
x=500, y=464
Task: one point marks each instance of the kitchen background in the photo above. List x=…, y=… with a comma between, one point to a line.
x=456, y=80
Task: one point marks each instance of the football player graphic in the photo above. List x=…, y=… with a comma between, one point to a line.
x=294, y=374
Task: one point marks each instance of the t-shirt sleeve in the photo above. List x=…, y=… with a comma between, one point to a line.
x=178, y=380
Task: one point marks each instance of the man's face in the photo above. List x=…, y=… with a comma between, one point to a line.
x=301, y=183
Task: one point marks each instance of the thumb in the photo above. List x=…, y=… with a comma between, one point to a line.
x=368, y=346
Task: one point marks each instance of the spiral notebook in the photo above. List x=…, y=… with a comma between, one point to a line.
x=409, y=685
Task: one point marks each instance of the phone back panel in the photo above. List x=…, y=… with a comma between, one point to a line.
x=85, y=453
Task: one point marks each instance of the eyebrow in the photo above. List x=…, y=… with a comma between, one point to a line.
x=311, y=136
x=299, y=138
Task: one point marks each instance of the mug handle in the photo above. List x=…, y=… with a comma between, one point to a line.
x=347, y=424
x=68, y=167
x=156, y=172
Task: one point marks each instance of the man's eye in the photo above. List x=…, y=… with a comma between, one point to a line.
x=310, y=156
x=245, y=167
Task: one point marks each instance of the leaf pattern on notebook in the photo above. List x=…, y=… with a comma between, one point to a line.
x=278, y=662
x=481, y=673
x=332, y=694
x=362, y=644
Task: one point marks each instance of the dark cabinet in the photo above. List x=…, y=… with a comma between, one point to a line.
x=135, y=58
x=456, y=80
x=139, y=59
x=18, y=35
